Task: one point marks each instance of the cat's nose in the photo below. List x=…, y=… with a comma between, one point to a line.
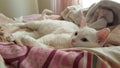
x=73, y=40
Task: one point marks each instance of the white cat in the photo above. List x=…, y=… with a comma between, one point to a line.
x=84, y=37
x=44, y=27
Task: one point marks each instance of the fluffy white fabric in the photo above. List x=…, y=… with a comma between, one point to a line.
x=73, y=14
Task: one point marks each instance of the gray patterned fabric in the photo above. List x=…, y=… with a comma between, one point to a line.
x=111, y=18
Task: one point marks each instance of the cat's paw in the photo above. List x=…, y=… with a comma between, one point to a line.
x=10, y=38
x=19, y=42
x=29, y=41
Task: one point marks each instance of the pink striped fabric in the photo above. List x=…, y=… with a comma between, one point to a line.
x=35, y=57
x=31, y=17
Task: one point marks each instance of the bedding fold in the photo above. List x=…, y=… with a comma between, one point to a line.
x=73, y=14
x=36, y=57
x=107, y=11
x=15, y=56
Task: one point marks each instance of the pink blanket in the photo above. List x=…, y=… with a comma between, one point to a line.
x=16, y=56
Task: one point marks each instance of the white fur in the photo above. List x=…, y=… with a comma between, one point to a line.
x=41, y=28
x=51, y=40
x=89, y=34
x=58, y=34
x=48, y=26
x=64, y=40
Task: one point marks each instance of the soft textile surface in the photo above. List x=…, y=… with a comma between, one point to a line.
x=31, y=17
x=16, y=56
x=35, y=57
x=114, y=37
x=73, y=14
x=109, y=54
x=4, y=31
x=108, y=18
x=100, y=15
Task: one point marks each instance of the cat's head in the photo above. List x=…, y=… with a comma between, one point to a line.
x=89, y=37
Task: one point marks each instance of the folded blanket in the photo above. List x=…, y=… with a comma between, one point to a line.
x=73, y=14
x=35, y=57
x=103, y=14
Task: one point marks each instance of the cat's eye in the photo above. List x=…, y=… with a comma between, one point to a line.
x=76, y=33
x=84, y=39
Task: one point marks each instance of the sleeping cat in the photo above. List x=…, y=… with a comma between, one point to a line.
x=65, y=38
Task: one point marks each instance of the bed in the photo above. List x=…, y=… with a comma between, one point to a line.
x=15, y=56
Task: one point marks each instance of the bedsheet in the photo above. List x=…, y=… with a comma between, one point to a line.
x=15, y=56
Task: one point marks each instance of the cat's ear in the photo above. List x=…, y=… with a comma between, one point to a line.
x=83, y=23
x=102, y=35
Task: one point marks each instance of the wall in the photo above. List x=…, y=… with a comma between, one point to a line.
x=43, y=4
x=16, y=8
